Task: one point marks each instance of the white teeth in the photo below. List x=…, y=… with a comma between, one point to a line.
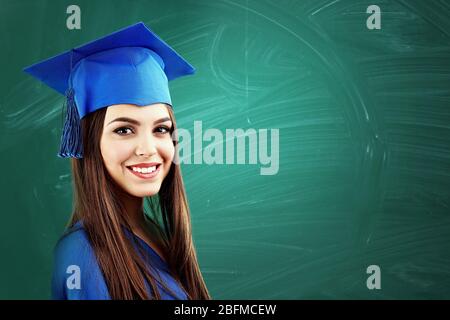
x=144, y=170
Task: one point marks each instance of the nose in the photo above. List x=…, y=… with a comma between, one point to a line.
x=146, y=146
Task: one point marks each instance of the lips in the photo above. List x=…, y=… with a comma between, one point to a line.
x=144, y=165
x=145, y=175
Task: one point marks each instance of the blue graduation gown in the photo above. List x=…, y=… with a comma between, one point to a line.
x=77, y=275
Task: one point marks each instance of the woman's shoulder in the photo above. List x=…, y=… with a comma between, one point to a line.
x=74, y=241
x=76, y=273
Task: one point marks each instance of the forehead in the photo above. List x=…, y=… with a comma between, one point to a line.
x=150, y=112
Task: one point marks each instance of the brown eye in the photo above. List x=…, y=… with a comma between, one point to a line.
x=162, y=129
x=120, y=131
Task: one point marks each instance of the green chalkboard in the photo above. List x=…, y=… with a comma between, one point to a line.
x=363, y=118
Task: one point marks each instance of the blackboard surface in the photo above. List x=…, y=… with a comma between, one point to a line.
x=364, y=134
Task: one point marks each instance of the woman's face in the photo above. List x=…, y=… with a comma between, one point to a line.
x=137, y=139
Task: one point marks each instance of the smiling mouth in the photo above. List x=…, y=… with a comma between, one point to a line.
x=145, y=173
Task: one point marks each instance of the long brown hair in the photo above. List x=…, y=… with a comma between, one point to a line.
x=97, y=203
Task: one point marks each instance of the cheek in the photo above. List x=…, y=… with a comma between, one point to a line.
x=167, y=150
x=115, y=153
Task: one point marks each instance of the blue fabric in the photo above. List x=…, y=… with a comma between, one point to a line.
x=130, y=75
x=55, y=71
x=74, y=249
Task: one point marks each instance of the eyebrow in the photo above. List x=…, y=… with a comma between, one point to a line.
x=133, y=121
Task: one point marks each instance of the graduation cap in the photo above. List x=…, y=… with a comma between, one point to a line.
x=132, y=65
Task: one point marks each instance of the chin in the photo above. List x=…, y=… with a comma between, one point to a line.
x=144, y=192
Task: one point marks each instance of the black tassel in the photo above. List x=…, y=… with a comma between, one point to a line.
x=71, y=140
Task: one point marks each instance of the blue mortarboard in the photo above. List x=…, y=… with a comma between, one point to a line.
x=132, y=65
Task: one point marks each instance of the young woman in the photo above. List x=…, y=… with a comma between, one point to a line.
x=129, y=236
